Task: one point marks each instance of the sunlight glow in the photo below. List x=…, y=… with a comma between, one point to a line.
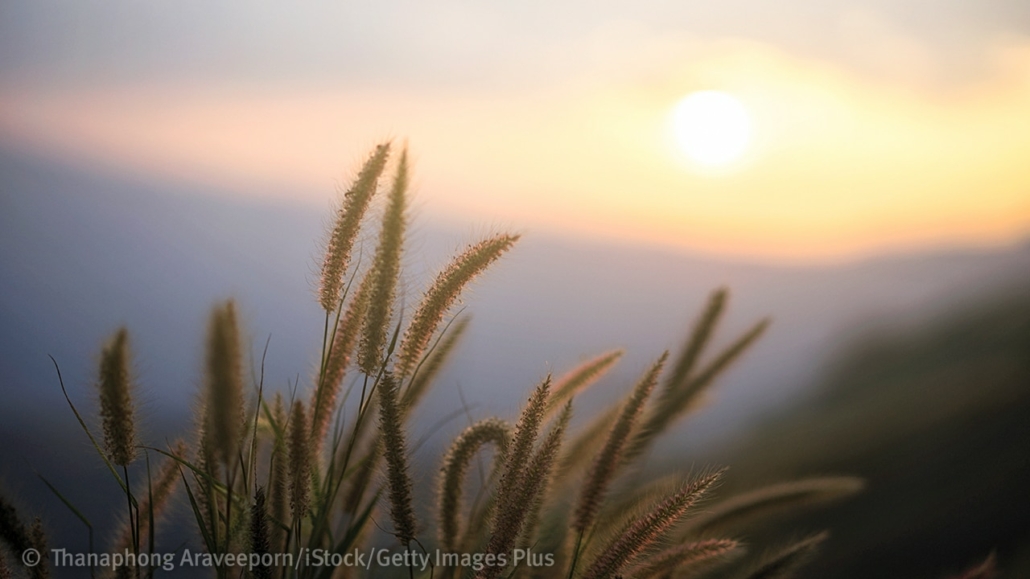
x=835, y=164
x=712, y=127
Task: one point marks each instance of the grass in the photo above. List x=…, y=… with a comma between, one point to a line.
x=278, y=478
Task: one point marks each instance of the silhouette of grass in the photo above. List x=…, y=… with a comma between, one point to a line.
x=291, y=482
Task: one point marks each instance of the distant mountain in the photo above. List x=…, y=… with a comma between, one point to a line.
x=83, y=251
x=936, y=420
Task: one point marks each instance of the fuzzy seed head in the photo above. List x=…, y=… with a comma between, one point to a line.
x=259, y=534
x=580, y=377
x=443, y=293
x=395, y=451
x=687, y=557
x=610, y=458
x=785, y=562
x=116, y=408
x=12, y=530
x=38, y=537
x=521, y=447
x=642, y=533
x=523, y=477
x=279, y=483
x=678, y=398
x=300, y=462
x=540, y=474
x=224, y=405
x=345, y=228
x=386, y=269
x=737, y=510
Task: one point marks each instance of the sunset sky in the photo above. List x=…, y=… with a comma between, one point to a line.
x=875, y=125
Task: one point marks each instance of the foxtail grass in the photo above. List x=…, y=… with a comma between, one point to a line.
x=385, y=269
x=785, y=562
x=640, y=534
x=427, y=371
x=682, y=392
x=116, y=407
x=443, y=293
x=581, y=377
x=300, y=463
x=395, y=449
x=521, y=449
x=524, y=492
x=539, y=478
x=340, y=350
x=742, y=510
x=345, y=228
x=695, y=556
x=38, y=539
x=12, y=530
x=297, y=473
x=259, y=541
x=278, y=478
x=455, y=465
x=611, y=456
x=224, y=405
x=159, y=495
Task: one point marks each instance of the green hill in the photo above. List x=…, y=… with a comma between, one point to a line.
x=937, y=420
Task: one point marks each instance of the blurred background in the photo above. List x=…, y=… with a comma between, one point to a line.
x=860, y=176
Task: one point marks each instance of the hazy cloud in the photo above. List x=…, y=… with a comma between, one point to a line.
x=88, y=42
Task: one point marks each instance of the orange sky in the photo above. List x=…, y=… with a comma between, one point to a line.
x=842, y=164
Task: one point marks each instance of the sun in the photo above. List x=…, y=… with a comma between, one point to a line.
x=712, y=128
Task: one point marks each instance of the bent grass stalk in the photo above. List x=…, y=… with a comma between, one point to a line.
x=455, y=465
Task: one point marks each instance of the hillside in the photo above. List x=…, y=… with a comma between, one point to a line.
x=935, y=419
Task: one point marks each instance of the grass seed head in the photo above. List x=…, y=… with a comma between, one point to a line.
x=12, y=531
x=39, y=542
x=259, y=544
x=443, y=293
x=640, y=534
x=345, y=229
x=224, y=405
x=395, y=451
x=116, y=408
x=611, y=457
x=455, y=465
x=784, y=563
x=386, y=269
x=300, y=462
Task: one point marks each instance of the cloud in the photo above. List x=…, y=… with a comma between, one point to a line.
x=454, y=42
x=846, y=160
